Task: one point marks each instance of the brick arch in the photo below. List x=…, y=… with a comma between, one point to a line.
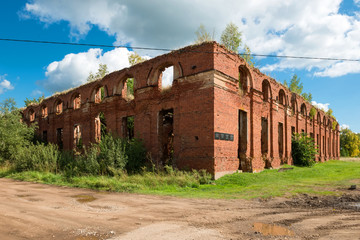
x=294, y=104
x=57, y=109
x=31, y=115
x=324, y=120
x=119, y=87
x=303, y=109
x=245, y=78
x=157, y=70
x=72, y=98
x=318, y=118
x=282, y=97
x=96, y=88
x=266, y=90
x=44, y=110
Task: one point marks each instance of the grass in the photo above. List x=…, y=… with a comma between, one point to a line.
x=328, y=178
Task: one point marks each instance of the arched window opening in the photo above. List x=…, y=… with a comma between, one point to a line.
x=266, y=91
x=244, y=78
x=318, y=118
x=59, y=107
x=324, y=121
x=293, y=106
x=31, y=115
x=99, y=94
x=303, y=109
x=44, y=112
x=77, y=101
x=166, y=78
x=100, y=126
x=282, y=97
x=77, y=136
x=129, y=87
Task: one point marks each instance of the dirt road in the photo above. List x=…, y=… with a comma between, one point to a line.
x=37, y=211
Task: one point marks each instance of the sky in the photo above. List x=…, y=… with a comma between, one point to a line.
x=311, y=28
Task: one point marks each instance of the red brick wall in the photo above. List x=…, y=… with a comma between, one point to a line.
x=205, y=98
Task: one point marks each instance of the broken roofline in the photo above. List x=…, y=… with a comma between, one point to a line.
x=188, y=49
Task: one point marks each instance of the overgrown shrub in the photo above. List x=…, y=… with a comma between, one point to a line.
x=38, y=157
x=112, y=154
x=303, y=150
x=136, y=155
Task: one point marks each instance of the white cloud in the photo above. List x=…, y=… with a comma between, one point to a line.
x=74, y=69
x=36, y=92
x=167, y=77
x=323, y=106
x=357, y=2
x=5, y=84
x=344, y=126
x=298, y=28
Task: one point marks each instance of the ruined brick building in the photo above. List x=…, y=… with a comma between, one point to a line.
x=219, y=114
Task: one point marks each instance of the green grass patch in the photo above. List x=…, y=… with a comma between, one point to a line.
x=327, y=178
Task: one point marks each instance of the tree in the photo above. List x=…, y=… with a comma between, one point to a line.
x=14, y=135
x=135, y=58
x=231, y=37
x=202, y=35
x=296, y=86
x=247, y=56
x=330, y=113
x=303, y=150
x=102, y=71
x=349, y=143
x=28, y=102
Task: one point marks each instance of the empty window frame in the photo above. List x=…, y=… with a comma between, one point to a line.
x=264, y=136
x=77, y=136
x=128, y=127
x=77, y=101
x=281, y=139
x=31, y=115
x=166, y=78
x=44, y=112
x=99, y=94
x=59, y=107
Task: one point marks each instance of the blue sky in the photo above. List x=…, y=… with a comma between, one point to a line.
x=316, y=28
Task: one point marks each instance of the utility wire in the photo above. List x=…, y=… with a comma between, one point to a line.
x=169, y=50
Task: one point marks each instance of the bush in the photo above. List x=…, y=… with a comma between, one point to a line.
x=303, y=150
x=136, y=155
x=112, y=154
x=38, y=157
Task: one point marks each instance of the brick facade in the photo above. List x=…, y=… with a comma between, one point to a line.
x=219, y=114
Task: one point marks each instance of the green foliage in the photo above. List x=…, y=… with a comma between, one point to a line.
x=112, y=154
x=37, y=157
x=296, y=85
x=303, y=150
x=136, y=155
x=312, y=113
x=202, y=35
x=14, y=135
x=130, y=87
x=102, y=71
x=330, y=113
x=231, y=37
x=248, y=57
x=28, y=102
x=135, y=58
x=322, y=179
x=307, y=97
x=349, y=143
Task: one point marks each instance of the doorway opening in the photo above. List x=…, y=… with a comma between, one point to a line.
x=166, y=136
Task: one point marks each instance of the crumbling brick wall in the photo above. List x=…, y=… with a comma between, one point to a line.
x=219, y=114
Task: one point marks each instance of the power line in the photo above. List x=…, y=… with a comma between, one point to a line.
x=169, y=50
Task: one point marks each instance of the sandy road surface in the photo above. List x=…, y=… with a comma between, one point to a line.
x=36, y=211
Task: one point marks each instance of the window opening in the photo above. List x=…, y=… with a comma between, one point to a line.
x=77, y=101
x=167, y=78
x=281, y=139
x=100, y=126
x=242, y=146
x=264, y=135
x=128, y=127
x=166, y=136
x=59, y=137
